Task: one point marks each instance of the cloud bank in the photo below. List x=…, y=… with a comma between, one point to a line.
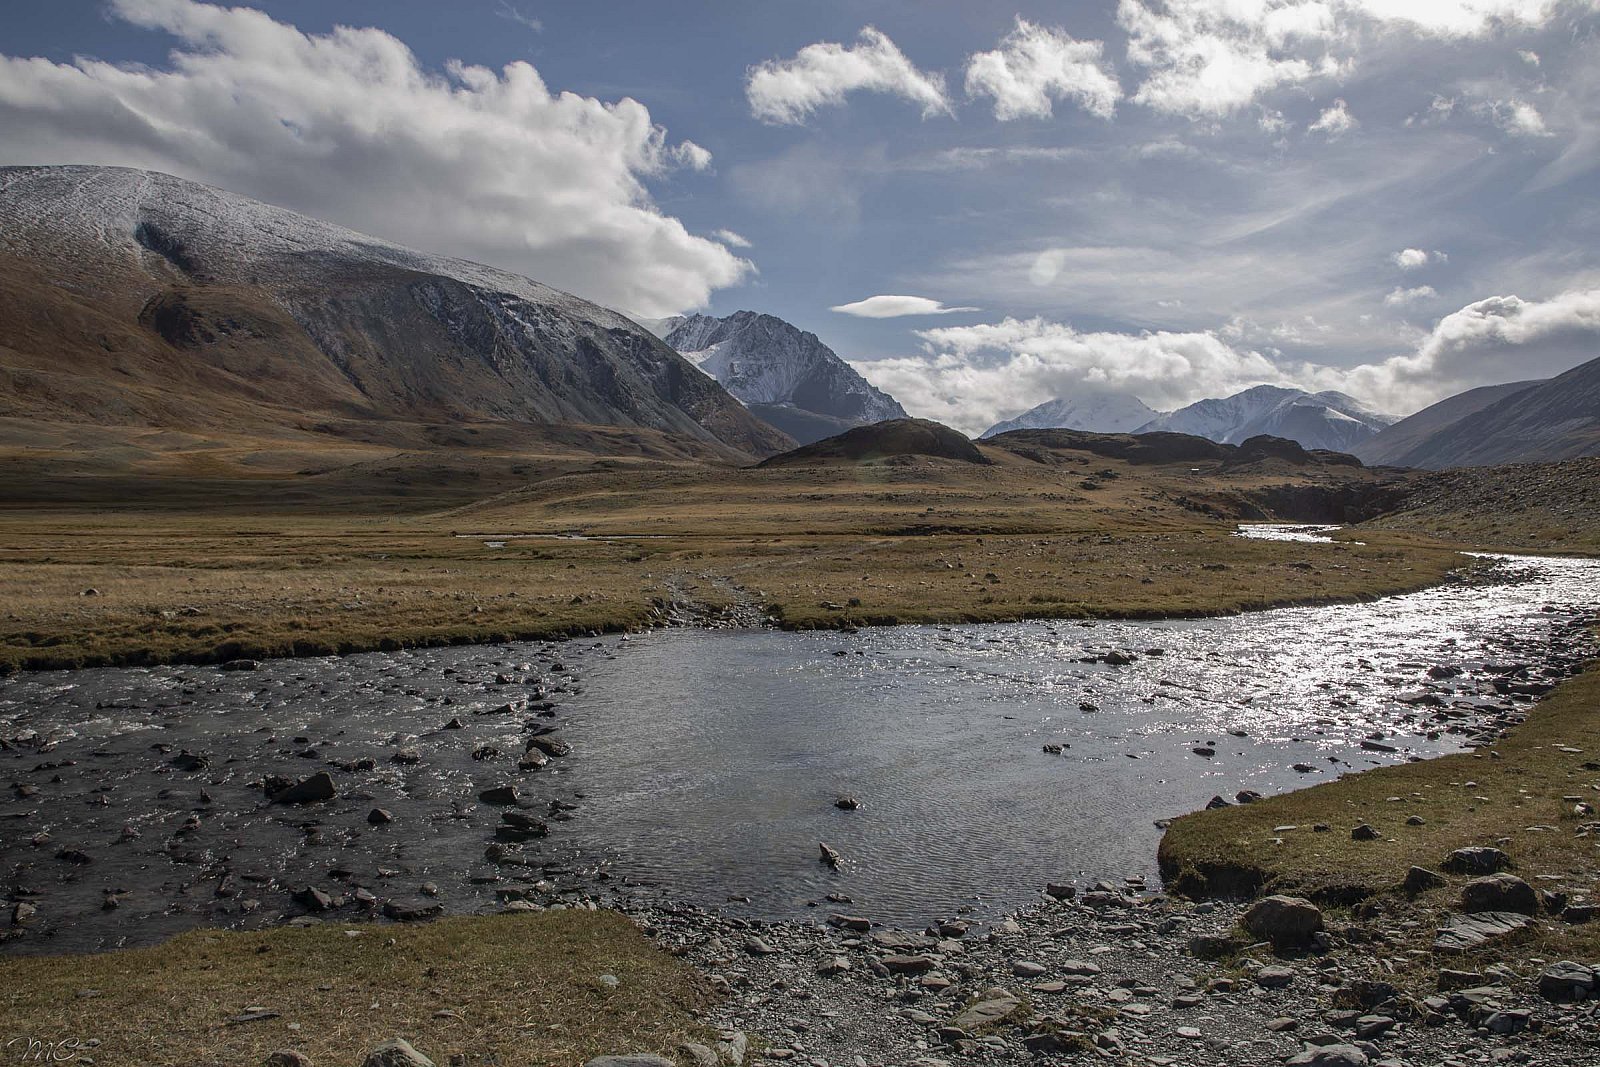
x=971, y=377
x=348, y=126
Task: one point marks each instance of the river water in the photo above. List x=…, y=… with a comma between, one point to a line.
x=705, y=764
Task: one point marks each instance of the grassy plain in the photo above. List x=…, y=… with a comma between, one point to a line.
x=916, y=540
x=516, y=990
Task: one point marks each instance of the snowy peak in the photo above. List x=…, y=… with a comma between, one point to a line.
x=1329, y=419
x=1095, y=412
x=784, y=375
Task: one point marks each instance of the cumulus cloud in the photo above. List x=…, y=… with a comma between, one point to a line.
x=1412, y=258
x=1403, y=297
x=1035, y=66
x=349, y=126
x=1501, y=338
x=788, y=91
x=971, y=377
x=1334, y=122
x=891, y=307
x=1516, y=117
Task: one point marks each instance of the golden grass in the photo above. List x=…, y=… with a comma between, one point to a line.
x=923, y=542
x=513, y=990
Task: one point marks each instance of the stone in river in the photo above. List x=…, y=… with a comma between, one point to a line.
x=317, y=787
x=499, y=794
x=379, y=816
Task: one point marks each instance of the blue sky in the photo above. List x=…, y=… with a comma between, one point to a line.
x=1175, y=198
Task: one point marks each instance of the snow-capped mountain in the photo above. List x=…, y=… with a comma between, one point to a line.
x=1096, y=412
x=181, y=305
x=1328, y=419
x=784, y=375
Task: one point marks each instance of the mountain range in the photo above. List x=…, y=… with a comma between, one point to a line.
x=1327, y=420
x=133, y=302
x=784, y=375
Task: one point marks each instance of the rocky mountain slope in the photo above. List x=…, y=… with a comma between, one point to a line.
x=1540, y=422
x=1096, y=412
x=139, y=301
x=1329, y=420
x=1394, y=445
x=786, y=377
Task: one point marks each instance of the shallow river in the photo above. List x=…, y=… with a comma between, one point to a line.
x=706, y=763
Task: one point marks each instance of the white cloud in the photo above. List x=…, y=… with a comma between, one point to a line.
x=349, y=126
x=1206, y=59
x=512, y=13
x=1499, y=339
x=731, y=239
x=823, y=74
x=1404, y=297
x=1036, y=65
x=1456, y=18
x=1412, y=258
x=891, y=307
x=1516, y=117
x=1334, y=122
x=972, y=376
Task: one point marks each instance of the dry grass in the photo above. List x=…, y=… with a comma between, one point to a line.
x=919, y=542
x=512, y=990
x=1513, y=796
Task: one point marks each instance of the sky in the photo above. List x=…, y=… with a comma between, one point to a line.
x=981, y=205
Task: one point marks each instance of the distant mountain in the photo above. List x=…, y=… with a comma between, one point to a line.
x=136, y=299
x=784, y=375
x=1548, y=421
x=1328, y=420
x=1406, y=442
x=1096, y=412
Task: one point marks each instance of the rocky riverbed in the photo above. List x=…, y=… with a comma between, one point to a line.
x=1118, y=974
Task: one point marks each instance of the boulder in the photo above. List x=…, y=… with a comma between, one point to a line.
x=1568, y=981
x=637, y=1059
x=1283, y=920
x=1499, y=892
x=499, y=794
x=919, y=964
x=992, y=1007
x=396, y=1052
x=1340, y=1055
x=308, y=790
x=1420, y=880
x=1468, y=932
x=288, y=1057
x=1479, y=859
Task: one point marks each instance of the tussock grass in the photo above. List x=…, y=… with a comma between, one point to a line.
x=512, y=990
